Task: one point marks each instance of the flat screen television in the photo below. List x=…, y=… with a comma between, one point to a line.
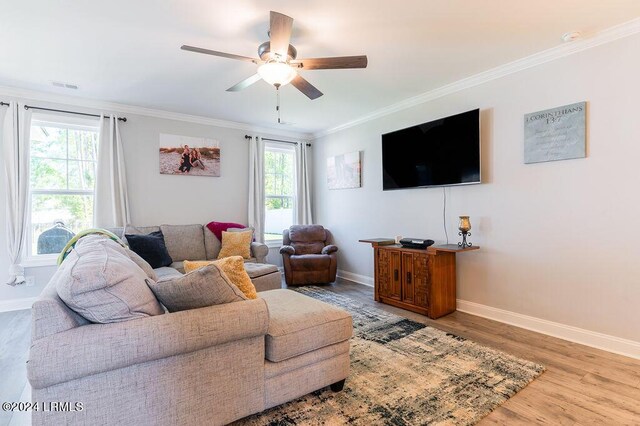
x=442, y=152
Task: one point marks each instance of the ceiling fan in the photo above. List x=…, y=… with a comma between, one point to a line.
x=278, y=63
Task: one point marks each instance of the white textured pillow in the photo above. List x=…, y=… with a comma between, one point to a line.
x=100, y=282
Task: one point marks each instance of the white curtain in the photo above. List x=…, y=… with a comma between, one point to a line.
x=111, y=202
x=256, y=187
x=15, y=144
x=303, y=215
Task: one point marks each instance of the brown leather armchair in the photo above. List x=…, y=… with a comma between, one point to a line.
x=308, y=255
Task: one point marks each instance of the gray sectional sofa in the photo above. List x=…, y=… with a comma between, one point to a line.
x=211, y=365
x=197, y=242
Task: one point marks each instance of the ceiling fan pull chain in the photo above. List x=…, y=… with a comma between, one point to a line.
x=278, y=102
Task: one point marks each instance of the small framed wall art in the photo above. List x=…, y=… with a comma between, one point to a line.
x=555, y=134
x=345, y=171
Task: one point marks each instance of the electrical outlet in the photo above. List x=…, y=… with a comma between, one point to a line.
x=30, y=280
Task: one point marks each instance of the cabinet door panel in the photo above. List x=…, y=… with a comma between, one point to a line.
x=384, y=273
x=421, y=279
x=408, y=293
x=395, y=292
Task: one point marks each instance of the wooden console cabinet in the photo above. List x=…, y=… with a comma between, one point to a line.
x=422, y=281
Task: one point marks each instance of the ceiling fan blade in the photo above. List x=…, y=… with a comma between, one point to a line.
x=244, y=83
x=221, y=54
x=340, y=62
x=280, y=33
x=305, y=87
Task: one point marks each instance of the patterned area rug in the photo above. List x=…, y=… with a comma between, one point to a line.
x=406, y=373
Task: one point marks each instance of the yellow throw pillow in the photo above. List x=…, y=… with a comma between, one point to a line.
x=192, y=265
x=236, y=244
x=233, y=268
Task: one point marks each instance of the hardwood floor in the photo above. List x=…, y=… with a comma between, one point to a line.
x=582, y=386
x=15, y=337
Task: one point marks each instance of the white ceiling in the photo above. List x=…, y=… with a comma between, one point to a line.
x=128, y=51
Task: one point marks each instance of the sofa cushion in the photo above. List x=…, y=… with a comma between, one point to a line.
x=247, y=229
x=235, y=244
x=299, y=324
x=257, y=270
x=211, y=244
x=307, y=233
x=203, y=287
x=49, y=314
x=308, y=248
x=140, y=230
x=167, y=273
x=264, y=276
x=100, y=282
x=307, y=239
x=137, y=230
x=184, y=241
x=179, y=266
x=310, y=262
x=151, y=248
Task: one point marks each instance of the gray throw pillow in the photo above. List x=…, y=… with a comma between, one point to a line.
x=203, y=287
x=99, y=281
x=249, y=228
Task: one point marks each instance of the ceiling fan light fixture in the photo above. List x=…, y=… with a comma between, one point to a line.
x=276, y=73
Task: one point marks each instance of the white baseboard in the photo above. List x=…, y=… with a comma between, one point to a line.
x=356, y=278
x=16, y=304
x=594, y=339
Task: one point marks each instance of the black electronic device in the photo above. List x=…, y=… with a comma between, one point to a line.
x=416, y=243
x=438, y=153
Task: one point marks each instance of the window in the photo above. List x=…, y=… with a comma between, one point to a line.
x=279, y=189
x=62, y=181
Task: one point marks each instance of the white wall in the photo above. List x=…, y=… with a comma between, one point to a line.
x=558, y=239
x=155, y=198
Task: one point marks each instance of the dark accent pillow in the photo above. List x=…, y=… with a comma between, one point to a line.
x=150, y=247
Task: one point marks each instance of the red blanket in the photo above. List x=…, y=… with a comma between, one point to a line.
x=218, y=227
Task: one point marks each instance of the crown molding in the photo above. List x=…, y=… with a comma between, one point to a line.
x=34, y=95
x=606, y=36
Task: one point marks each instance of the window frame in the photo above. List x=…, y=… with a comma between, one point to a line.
x=62, y=122
x=287, y=148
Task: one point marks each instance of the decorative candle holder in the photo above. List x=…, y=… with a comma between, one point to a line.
x=464, y=226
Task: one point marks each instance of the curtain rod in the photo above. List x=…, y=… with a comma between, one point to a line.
x=276, y=140
x=70, y=112
x=4, y=104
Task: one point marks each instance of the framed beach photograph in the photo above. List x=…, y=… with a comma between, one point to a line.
x=344, y=171
x=186, y=155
